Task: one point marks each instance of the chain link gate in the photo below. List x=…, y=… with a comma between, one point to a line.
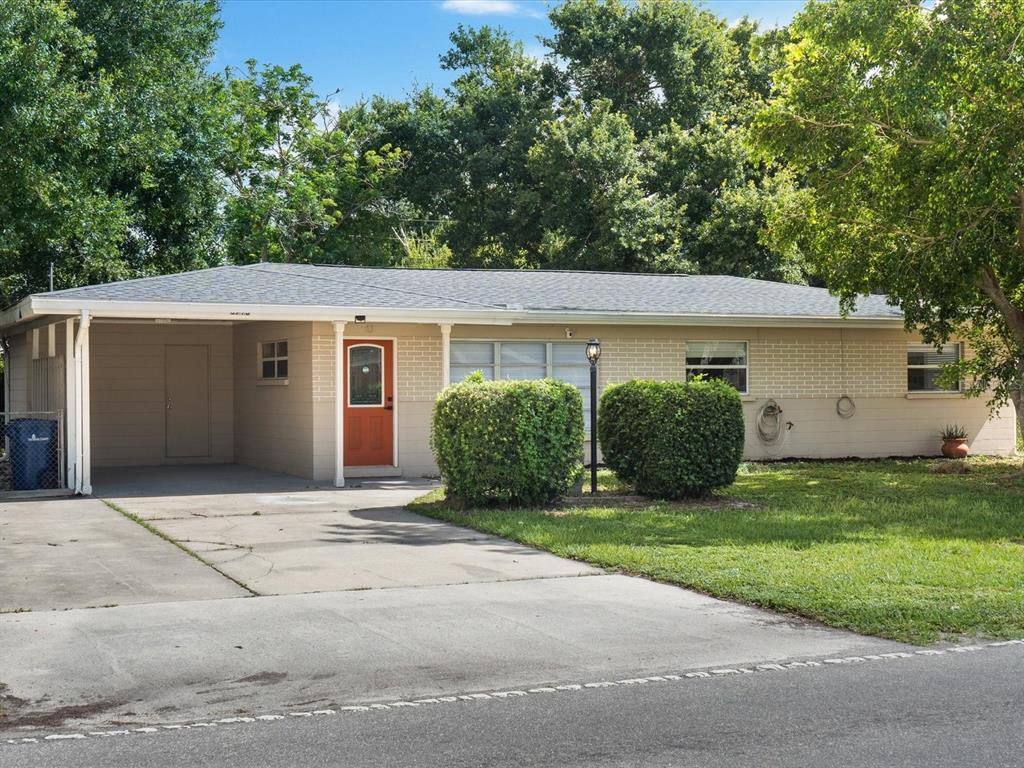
x=31, y=450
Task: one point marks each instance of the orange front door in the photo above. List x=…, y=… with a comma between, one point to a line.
x=369, y=403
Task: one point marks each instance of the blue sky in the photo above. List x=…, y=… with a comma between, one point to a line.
x=387, y=46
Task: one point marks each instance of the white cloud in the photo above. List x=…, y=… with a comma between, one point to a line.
x=491, y=8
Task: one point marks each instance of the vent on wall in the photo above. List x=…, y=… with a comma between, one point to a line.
x=47, y=392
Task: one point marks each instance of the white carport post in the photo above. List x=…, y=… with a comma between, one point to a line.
x=446, y=354
x=83, y=477
x=339, y=403
x=70, y=403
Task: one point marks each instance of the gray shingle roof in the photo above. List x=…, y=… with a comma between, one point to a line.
x=548, y=291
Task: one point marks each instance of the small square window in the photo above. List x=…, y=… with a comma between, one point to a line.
x=274, y=360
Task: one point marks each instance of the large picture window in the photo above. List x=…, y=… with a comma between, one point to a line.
x=925, y=364
x=566, y=361
x=725, y=360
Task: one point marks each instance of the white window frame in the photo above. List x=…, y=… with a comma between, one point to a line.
x=697, y=368
x=348, y=373
x=260, y=359
x=549, y=358
x=934, y=367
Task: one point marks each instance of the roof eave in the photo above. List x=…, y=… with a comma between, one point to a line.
x=40, y=304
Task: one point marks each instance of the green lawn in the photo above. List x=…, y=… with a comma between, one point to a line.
x=889, y=548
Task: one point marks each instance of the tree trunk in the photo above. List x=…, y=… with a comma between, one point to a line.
x=1018, y=403
x=1014, y=318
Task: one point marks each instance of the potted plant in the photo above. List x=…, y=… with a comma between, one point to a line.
x=954, y=441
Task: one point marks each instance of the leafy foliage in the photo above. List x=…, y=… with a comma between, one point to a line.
x=906, y=122
x=518, y=442
x=620, y=150
x=309, y=185
x=670, y=438
x=109, y=136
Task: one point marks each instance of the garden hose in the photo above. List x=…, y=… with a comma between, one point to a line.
x=845, y=407
x=769, y=422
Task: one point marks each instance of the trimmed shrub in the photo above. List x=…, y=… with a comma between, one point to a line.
x=516, y=442
x=671, y=438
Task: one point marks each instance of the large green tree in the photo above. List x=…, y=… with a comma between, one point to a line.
x=468, y=149
x=620, y=150
x=308, y=182
x=108, y=140
x=906, y=120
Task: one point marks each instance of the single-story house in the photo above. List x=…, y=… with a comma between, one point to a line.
x=330, y=372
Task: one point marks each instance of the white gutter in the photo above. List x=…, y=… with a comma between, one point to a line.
x=45, y=305
x=83, y=447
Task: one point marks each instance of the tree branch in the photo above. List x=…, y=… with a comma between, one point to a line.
x=988, y=282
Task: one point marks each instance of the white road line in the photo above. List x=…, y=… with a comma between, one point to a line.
x=516, y=693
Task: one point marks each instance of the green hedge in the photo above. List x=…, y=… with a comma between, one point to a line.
x=670, y=438
x=517, y=442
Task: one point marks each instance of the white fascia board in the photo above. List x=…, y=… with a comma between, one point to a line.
x=45, y=305
x=17, y=313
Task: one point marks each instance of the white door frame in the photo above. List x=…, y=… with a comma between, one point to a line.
x=340, y=382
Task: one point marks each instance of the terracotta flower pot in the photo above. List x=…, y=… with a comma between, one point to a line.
x=956, y=448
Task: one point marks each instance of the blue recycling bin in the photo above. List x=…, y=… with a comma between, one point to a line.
x=33, y=454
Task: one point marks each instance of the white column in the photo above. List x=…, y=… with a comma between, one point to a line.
x=339, y=404
x=70, y=402
x=446, y=354
x=83, y=474
x=86, y=418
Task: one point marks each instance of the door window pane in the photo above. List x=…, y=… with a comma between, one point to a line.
x=365, y=376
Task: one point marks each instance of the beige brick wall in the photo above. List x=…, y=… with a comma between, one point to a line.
x=806, y=370
x=419, y=368
x=826, y=366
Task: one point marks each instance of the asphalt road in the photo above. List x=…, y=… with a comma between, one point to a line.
x=954, y=709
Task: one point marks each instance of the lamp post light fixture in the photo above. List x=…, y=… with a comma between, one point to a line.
x=593, y=355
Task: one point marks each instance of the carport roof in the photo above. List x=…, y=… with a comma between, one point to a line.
x=336, y=291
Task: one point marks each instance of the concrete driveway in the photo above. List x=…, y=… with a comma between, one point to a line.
x=280, y=535
x=79, y=553
x=463, y=612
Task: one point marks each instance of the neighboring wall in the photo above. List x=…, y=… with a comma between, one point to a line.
x=274, y=424
x=128, y=391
